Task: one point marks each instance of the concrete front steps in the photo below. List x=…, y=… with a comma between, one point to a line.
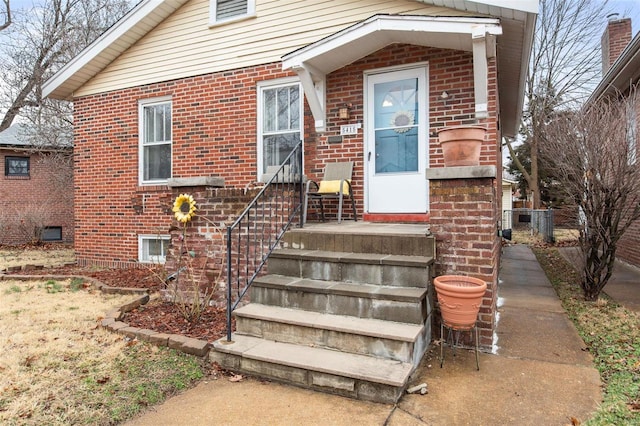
x=354, y=323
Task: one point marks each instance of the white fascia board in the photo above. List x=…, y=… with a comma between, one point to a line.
x=451, y=25
x=108, y=39
x=529, y=6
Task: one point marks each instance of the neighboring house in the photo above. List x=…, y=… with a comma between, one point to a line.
x=508, y=185
x=621, y=73
x=183, y=89
x=37, y=196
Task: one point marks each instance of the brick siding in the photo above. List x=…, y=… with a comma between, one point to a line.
x=34, y=200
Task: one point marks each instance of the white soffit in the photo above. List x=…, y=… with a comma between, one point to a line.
x=359, y=40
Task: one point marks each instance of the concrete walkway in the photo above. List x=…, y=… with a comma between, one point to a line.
x=624, y=284
x=539, y=374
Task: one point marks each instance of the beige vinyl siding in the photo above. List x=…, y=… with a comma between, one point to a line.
x=184, y=45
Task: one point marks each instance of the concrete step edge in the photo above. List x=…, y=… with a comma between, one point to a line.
x=359, y=367
x=390, y=330
x=349, y=257
x=373, y=291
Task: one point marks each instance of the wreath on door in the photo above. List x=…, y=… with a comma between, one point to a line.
x=402, y=120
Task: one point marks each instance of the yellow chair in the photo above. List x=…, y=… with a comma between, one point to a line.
x=336, y=183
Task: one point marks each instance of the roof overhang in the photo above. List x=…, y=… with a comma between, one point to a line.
x=112, y=43
x=472, y=34
x=624, y=72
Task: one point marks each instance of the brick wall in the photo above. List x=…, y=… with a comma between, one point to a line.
x=463, y=218
x=40, y=199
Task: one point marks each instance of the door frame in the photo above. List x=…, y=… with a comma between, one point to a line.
x=424, y=119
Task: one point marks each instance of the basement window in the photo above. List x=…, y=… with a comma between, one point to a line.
x=153, y=248
x=52, y=233
x=223, y=11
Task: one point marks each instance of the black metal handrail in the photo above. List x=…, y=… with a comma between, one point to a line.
x=258, y=230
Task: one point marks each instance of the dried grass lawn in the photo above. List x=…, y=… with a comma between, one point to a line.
x=17, y=256
x=58, y=367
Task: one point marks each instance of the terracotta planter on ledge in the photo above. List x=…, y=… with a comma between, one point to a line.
x=461, y=145
x=460, y=298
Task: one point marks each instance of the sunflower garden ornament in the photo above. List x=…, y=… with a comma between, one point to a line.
x=184, y=208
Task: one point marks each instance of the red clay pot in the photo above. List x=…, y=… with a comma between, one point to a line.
x=460, y=299
x=461, y=145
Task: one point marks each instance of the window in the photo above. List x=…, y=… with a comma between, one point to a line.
x=153, y=248
x=230, y=10
x=16, y=166
x=155, y=141
x=279, y=123
x=52, y=233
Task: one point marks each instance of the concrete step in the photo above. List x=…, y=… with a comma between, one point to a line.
x=352, y=375
x=370, y=268
x=383, y=339
x=362, y=237
x=399, y=304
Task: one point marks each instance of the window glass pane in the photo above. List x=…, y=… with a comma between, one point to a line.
x=269, y=112
x=52, y=233
x=294, y=110
x=157, y=123
x=16, y=166
x=283, y=108
x=277, y=147
x=157, y=162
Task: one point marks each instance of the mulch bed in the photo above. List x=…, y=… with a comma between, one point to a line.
x=157, y=315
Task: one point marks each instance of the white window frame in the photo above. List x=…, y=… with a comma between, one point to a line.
x=213, y=8
x=141, y=143
x=143, y=252
x=274, y=84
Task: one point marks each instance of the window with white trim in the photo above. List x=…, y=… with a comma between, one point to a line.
x=155, y=141
x=279, y=122
x=221, y=11
x=153, y=248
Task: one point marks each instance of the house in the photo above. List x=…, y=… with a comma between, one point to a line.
x=202, y=96
x=36, y=190
x=621, y=73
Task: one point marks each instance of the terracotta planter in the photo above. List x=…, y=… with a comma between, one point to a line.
x=461, y=145
x=460, y=299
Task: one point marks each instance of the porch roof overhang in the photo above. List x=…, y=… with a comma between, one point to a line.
x=472, y=34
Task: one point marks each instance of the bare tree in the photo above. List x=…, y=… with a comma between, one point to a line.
x=565, y=60
x=6, y=13
x=593, y=152
x=43, y=39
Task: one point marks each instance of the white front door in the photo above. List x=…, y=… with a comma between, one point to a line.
x=396, y=141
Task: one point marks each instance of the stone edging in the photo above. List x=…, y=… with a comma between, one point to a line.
x=112, y=318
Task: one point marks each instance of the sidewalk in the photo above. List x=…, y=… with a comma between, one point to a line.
x=624, y=284
x=537, y=375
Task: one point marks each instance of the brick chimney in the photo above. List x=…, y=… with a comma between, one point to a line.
x=614, y=40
